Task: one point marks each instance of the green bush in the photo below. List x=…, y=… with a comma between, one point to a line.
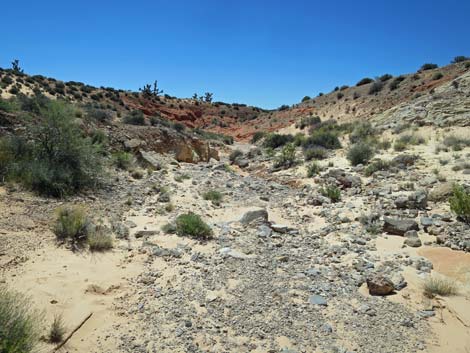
x=100, y=239
x=396, y=82
x=299, y=139
x=308, y=121
x=191, y=224
x=437, y=76
x=459, y=59
x=439, y=285
x=375, y=166
x=313, y=169
x=315, y=152
x=324, y=138
x=213, y=195
x=332, y=192
x=258, y=135
x=123, y=160
x=287, y=157
x=136, y=117
x=277, y=140
x=19, y=323
x=460, y=203
x=385, y=77
x=408, y=139
x=72, y=223
x=8, y=105
x=376, y=87
x=306, y=98
x=362, y=132
x=234, y=155
x=428, y=66
x=57, y=160
x=360, y=153
x=364, y=81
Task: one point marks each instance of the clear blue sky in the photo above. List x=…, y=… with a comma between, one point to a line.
x=264, y=53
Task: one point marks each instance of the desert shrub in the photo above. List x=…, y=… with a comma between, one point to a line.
x=385, y=77
x=460, y=203
x=332, y=192
x=19, y=323
x=100, y=239
x=283, y=107
x=360, y=153
x=343, y=87
x=213, y=195
x=277, y=140
x=306, y=98
x=99, y=137
x=455, y=142
x=72, y=223
x=437, y=76
x=396, y=82
x=459, y=59
x=315, y=152
x=100, y=115
x=376, y=87
x=135, y=117
x=384, y=144
x=179, y=127
x=9, y=105
x=324, y=138
x=308, y=121
x=299, y=139
x=362, y=132
x=408, y=139
x=313, y=169
x=33, y=104
x=439, y=286
x=169, y=228
x=234, y=155
x=57, y=330
x=258, y=135
x=364, y=81
x=429, y=66
x=57, y=160
x=339, y=95
x=123, y=160
x=286, y=158
x=371, y=223
x=375, y=166
x=191, y=224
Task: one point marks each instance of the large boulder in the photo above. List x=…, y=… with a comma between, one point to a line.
x=399, y=226
x=258, y=216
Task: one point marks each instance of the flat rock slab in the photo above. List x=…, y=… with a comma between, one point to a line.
x=317, y=300
x=398, y=226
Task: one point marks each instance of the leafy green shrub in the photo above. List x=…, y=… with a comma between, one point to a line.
x=192, y=225
x=100, y=115
x=459, y=59
x=308, y=121
x=429, y=66
x=19, y=323
x=123, y=160
x=396, y=82
x=408, y=139
x=72, y=223
x=213, y=195
x=287, y=157
x=306, y=98
x=8, y=105
x=385, y=77
x=376, y=87
x=360, y=153
x=324, y=138
x=375, y=166
x=234, y=155
x=135, y=117
x=362, y=132
x=460, y=203
x=258, y=135
x=57, y=160
x=169, y=228
x=455, y=142
x=299, y=139
x=277, y=140
x=332, y=192
x=364, y=81
x=315, y=152
x=437, y=76
x=313, y=169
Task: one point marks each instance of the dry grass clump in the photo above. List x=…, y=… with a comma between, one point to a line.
x=439, y=286
x=57, y=330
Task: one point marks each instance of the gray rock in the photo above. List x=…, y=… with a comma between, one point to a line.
x=264, y=231
x=398, y=226
x=379, y=285
x=235, y=254
x=150, y=160
x=145, y=233
x=414, y=242
x=317, y=300
x=259, y=216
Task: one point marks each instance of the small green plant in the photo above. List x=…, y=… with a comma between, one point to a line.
x=72, y=223
x=19, y=323
x=191, y=224
x=437, y=76
x=428, y=66
x=169, y=228
x=57, y=330
x=371, y=223
x=439, y=286
x=375, y=166
x=313, y=169
x=332, y=192
x=277, y=140
x=234, y=155
x=364, y=81
x=182, y=177
x=360, y=153
x=460, y=203
x=258, y=135
x=376, y=87
x=214, y=196
x=123, y=160
x=287, y=157
x=362, y=132
x=136, y=117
